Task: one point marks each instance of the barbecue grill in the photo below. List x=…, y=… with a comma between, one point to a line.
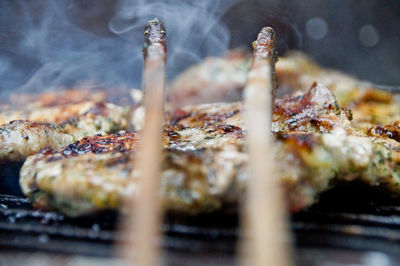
x=339, y=230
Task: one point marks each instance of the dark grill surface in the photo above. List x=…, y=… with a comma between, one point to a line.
x=351, y=217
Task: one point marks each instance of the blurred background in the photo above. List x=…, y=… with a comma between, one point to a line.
x=52, y=43
x=358, y=37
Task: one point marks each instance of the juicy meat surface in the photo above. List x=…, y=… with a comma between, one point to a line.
x=204, y=159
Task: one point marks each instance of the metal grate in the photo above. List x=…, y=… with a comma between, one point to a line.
x=339, y=220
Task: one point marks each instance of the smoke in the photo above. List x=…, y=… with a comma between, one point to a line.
x=47, y=44
x=193, y=27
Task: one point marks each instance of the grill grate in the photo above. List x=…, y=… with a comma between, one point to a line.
x=369, y=221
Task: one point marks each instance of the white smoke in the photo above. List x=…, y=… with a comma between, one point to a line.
x=54, y=43
x=194, y=29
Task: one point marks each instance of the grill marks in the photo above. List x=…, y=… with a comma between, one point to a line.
x=211, y=124
x=128, y=141
x=102, y=144
x=118, y=142
x=204, y=125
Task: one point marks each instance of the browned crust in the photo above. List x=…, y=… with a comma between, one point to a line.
x=299, y=139
x=97, y=144
x=391, y=131
x=200, y=119
x=318, y=108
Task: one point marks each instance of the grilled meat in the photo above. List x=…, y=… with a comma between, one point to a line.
x=204, y=159
x=103, y=180
x=370, y=106
x=29, y=123
x=19, y=139
x=26, y=132
x=217, y=77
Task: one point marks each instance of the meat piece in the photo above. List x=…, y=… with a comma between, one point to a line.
x=191, y=180
x=59, y=126
x=216, y=79
x=18, y=139
x=204, y=161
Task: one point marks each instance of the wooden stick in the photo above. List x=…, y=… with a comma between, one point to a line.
x=145, y=215
x=264, y=217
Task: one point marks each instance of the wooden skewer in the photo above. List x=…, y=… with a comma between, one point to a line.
x=264, y=218
x=145, y=217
